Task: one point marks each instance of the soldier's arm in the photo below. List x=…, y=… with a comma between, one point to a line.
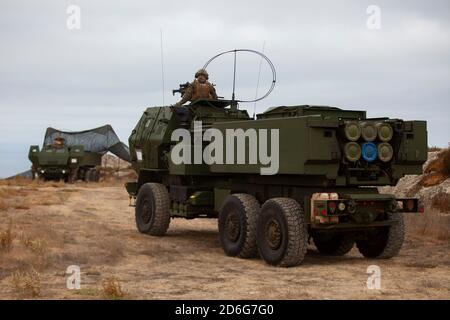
x=186, y=96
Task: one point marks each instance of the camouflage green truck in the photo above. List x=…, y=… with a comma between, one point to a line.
x=324, y=188
x=74, y=155
x=65, y=163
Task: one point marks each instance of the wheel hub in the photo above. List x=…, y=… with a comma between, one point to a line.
x=273, y=234
x=146, y=212
x=232, y=227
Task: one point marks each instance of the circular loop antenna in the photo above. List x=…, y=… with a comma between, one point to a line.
x=272, y=67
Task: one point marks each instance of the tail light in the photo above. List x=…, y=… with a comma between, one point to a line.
x=410, y=204
x=332, y=207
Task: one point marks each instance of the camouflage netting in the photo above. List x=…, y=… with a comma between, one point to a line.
x=98, y=140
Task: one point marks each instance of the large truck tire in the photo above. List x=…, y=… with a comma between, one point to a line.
x=237, y=225
x=73, y=176
x=335, y=245
x=282, y=234
x=152, y=210
x=386, y=242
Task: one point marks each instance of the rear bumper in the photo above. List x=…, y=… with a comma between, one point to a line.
x=358, y=211
x=354, y=226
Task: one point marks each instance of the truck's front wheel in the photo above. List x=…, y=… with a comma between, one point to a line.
x=152, y=209
x=237, y=225
x=282, y=234
x=385, y=242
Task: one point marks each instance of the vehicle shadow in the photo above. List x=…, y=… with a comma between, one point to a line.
x=210, y=239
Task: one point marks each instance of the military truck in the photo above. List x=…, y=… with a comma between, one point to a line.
x=64, y=163
x=77, y=157
x=331, y=162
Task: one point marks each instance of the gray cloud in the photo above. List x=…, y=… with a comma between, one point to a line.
x=109, y=71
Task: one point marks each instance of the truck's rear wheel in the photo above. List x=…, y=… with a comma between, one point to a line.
x=95, y=175
x=282, y=235
x=386, y=242
x=91, y=175
x=336, y=245
x=73, y=176
x=152, y=210
x=87, y=175
x=237, y=225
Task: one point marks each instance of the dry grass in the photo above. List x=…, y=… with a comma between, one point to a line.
x=112, y=289
x=38, y=246
x=92, y=292
x=40, y=249
x=27, y=284
x=442, y=202
x=6, y=238
x=27, y=197
x=3, y=204
x=7, y=194
x=16, y=181
x=432, y=224
x=23, y=182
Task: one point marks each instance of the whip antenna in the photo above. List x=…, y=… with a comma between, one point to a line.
x=162, y=65
x=259, y=76
x=234, y=76
x=272, y=67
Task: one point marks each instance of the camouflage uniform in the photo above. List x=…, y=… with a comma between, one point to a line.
x=198, y=90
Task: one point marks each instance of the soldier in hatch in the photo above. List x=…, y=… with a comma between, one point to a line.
x=200, y=88
x=58, y=142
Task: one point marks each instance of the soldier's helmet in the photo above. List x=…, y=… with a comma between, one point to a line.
x=60, y=140
x=202, y=72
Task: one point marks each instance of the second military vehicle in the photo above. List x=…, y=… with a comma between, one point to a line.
x=71, y=156
x=64, y=163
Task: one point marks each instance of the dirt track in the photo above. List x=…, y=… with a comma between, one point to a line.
x=93, y=227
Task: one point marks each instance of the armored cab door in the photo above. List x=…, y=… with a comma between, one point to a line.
x=148, y=145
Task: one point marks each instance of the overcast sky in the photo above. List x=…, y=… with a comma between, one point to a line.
x=109, y=71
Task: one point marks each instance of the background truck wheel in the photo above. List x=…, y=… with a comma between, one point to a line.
x=386, y=242
x=336, y=245
x=153, y=209
x=91, y=175
x=282, y=235
x=87, y=175
x=95, y=175
x=73, y=176
x=237, y=225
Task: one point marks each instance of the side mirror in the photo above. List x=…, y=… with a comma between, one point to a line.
x=33, y=152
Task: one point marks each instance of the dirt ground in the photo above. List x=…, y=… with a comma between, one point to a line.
x=53, y=226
